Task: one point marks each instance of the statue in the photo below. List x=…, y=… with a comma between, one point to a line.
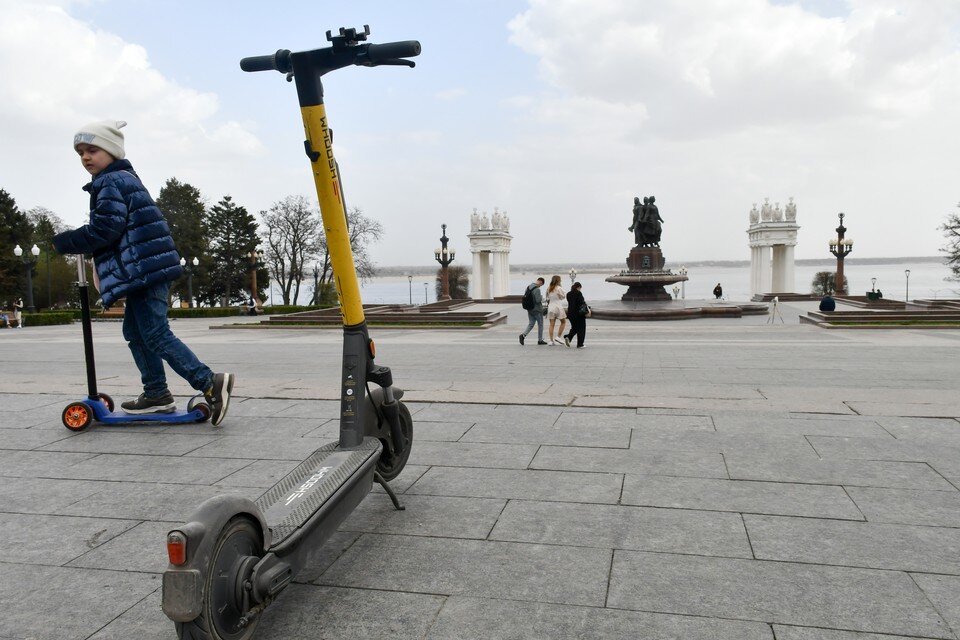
x=754, y=214
x=653, y=220
x=777, y=213
x=497, y=219
x=506, y=222
x=766, y=211
x=484, y=222
x=791, y=211
x=646, y=222
x=637, y=226
x=474, y=220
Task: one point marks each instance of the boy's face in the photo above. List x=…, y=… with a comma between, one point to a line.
x=94, y=159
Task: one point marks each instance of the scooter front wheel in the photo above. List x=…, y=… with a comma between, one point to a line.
x=222, y=616
x=77, y=416
x=390, y=465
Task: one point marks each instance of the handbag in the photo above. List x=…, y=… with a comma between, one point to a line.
x=584, y=310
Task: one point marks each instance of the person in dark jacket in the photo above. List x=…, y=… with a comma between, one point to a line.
x=576, y=308
x=135, y=258
x=718, y=291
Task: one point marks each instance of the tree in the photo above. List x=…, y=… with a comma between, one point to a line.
x=951, y=230
x=182, y=205
x=363, y=231
x=233, y=239
x=459, y=279
x=824, y=283
x=294, y=231
x=15, y=229
x=54, y=275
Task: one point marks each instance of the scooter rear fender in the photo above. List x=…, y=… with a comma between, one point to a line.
x=183, y=584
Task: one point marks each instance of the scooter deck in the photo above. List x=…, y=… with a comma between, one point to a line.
x=104, y=416
x=291, y=502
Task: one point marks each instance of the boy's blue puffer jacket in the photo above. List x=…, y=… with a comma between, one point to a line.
x=127, y=235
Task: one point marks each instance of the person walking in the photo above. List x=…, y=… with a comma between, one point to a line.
x=577, y=311
x=533, y=303
x=135, y=259
x=18, y=312
x=718, y=291
x=555, y=311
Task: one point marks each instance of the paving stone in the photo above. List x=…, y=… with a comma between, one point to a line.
x=259, y=407
x=38, y=464
x=855, y=544
x=137, y=468
x=141, y=548
x=472, y=454
x=59, y=603
x=321, y=559
x=597, y=435
x=439, y=516
x=143, y=621
x=623, y=527
x=805, y=595
x=147, y=501
x=54, y=540
x=934, y=508
x=809, y=633
x=744, y=496
x=275, y=427
x=42, y=495
x=464, y=618
x=26, y=439
x=673, y=463
x=261, y=473
x=922, y=428
x=542, y=573
x=917, y=410
x=715, y=442
x=18, y=402
x=168, y=444
x=531, y=485
x=542, y=414
x=792, y=426
x=855, y=473
x=944, y=593
x=439, y=431
x=455, y=412
x=261, y=447
x=314, y=409
x=410, y=474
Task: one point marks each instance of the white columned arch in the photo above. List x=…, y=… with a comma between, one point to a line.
x=772, y=237
x=490, y=245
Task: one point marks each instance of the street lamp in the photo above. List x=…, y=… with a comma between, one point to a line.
x=683, y=283
x=183, y=263
x=676, y=292
x=28, y=263
x=573, y=276
x=424, y=293
x=410, y=287
x=873, y=285
x=841, y=248
x=906, y=272
x=444, y=256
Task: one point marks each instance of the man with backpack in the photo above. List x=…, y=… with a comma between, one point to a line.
x=533, y=303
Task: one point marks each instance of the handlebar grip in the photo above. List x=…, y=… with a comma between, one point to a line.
x=274, y=62
x=392, y=50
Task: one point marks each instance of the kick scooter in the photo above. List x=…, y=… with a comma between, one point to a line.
x=235, y=556
x=79, y=415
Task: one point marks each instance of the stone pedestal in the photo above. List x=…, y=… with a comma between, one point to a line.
x=646, y=278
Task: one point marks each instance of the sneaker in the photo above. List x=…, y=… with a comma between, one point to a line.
x=143, y=404
x=582, y=346
x=522, y=338
x=218, y=396
x=566, y=341
x=541, y=342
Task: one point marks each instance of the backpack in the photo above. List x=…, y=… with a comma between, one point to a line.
x=527, y=301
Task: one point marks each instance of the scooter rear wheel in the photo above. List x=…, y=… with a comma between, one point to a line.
x=389, y=466
x=222, y=610
x=107, y=400
x=77, y=416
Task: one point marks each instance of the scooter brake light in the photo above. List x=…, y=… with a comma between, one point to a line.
x=177, y=548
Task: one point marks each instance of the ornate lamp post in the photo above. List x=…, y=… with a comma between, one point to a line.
x=683, y=283
x=906, y=272
x=183, y=263
x=424, y=293
x=444, y=256
x=410, y=287
x=676, y=292
x=873, y=285
x=841, y=249
x=573, y=276
x=28, y=263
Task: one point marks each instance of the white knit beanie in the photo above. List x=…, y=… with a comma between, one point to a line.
x=104, y=134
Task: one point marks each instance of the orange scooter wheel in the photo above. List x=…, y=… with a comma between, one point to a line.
x=77, y=416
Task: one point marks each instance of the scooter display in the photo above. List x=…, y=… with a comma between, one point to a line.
x=235, y=556
x=97, y=406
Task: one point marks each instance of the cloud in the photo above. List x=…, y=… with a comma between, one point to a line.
x=451, y=94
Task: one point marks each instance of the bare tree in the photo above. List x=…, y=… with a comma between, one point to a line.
x=951, y=231
x=363, y=231
x=294, y=234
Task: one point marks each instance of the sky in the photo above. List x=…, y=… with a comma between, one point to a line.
x=559, y=112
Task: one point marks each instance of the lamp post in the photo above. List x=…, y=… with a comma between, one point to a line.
x=841, y=248
x=573, y=276
x=873, y=285
x=906, y=272
x=424, y=293
x=683, y=283
x=410, y=287
x=444, y=256
x=183, y=263
x=28, y=263
x=676, y=292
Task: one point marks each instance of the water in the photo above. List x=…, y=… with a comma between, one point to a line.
x=926, y=281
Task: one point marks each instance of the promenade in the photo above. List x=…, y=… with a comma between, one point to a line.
x=695, y=480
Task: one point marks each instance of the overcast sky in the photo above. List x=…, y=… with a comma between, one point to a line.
x=558, y=111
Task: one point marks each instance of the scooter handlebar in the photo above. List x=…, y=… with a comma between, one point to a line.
x=378, y=53
x=279, y=61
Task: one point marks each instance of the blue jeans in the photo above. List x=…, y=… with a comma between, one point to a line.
x=146, y=330
x=536, y=316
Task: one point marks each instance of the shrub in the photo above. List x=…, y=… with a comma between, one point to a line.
x=45, y=319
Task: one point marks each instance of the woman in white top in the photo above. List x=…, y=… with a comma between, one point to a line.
x=555, y=310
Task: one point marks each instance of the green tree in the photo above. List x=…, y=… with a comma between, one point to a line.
x=15, y=229
x=824, y=283
x=459, y=279
x=54, y=275
x=233, y=240
x=182, y=205
x=951, y=230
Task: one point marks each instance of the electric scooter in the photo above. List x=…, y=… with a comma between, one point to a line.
x=235, y=556
x=79, y=415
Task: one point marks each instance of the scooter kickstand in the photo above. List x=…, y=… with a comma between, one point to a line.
x=389, y=490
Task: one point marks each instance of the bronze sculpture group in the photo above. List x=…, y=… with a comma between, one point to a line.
x=646, y=225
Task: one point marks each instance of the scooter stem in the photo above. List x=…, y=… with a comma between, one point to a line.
x=87, y=330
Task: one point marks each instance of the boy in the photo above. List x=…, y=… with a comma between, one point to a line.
x=536, y=313
x=135, y=258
